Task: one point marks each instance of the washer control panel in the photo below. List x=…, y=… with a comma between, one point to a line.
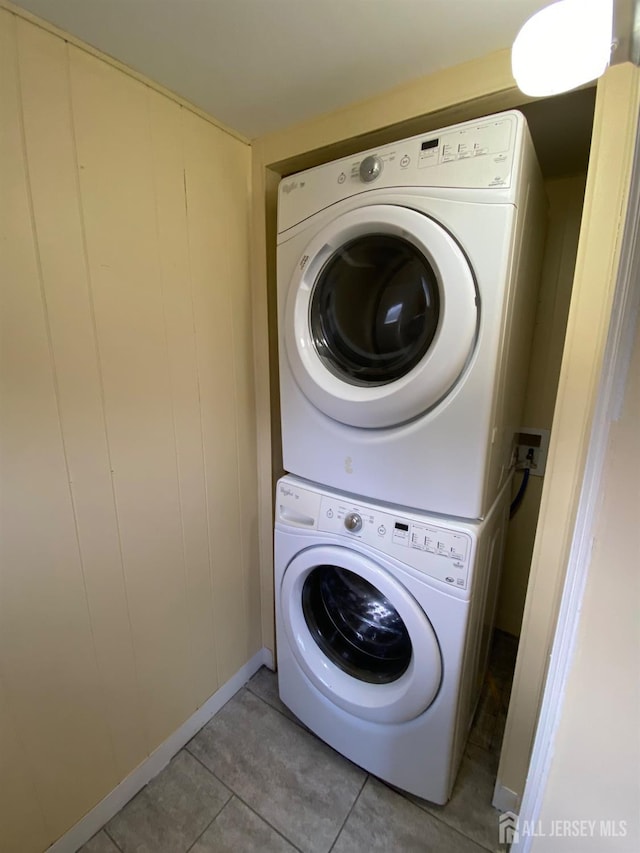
x=440, y=552
x=443, y=553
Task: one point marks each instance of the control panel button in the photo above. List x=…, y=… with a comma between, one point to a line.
x=353, y=522
x=342, y=178
x=382, y=530
x=404, y=161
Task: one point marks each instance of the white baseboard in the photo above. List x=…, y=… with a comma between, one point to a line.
x=159, y=758
x=504, y=799
x=268, y=659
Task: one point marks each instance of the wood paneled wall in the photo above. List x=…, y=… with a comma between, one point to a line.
x=129, y=585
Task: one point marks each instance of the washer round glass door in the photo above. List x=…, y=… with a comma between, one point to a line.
x=381, y=316
x=359, y=635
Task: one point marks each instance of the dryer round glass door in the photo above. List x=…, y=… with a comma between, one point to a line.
x=359, y=635
x=375, y=309
x=381, y=316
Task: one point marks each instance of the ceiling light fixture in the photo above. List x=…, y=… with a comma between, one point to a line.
x=563, y=46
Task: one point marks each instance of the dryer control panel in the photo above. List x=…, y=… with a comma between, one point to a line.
x=420, y=543
x=481, y=157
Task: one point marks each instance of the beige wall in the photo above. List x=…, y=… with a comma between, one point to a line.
x=129, y=591
x=565, y=197
x=594, y=770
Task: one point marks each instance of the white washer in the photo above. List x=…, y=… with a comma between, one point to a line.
x=407, y=288
x=383, y=623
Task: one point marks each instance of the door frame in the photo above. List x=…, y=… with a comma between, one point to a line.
x=619, y=348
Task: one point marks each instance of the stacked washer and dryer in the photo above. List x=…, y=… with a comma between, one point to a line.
x=407, y=287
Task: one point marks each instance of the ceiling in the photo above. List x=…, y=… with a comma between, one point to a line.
x=262, y=65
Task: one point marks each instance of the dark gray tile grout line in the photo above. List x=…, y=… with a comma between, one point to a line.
x=238, y=797
x=212, y=821
x=353, y=805
x=217, y=814
x=264, y=820
x=259, y=816
x=104, y=829
x=292, y=719
x=210, y=772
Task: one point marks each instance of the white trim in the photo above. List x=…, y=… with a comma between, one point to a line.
x=94, y=820
x=616, y=360
x=268, y=659
x=504, y=799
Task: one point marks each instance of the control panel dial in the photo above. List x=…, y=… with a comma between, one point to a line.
x=353, y=522
x=370, y=168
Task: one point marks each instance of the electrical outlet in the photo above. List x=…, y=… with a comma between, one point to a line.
x=532, y=447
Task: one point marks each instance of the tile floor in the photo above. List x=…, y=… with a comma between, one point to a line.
x=254, y=779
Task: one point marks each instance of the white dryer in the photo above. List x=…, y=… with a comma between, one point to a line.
x=407, y=287
x=383, y=623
